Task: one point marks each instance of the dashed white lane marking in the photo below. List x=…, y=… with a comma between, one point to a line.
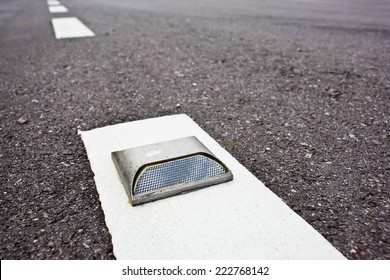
x=53, y=2
x=58, y=9
x=241, y=219
x=70, y=27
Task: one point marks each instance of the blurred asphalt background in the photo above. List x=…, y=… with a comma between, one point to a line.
x=298, y=91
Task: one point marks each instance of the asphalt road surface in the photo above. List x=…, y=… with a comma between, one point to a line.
x=298, y=91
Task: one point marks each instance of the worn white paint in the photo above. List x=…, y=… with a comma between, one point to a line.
x=53, y=2
x=70, y=27
x=57, y=9
x=241, y=219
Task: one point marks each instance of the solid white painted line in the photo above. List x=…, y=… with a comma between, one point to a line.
x=58, y=9
x=241, y=219
x=70, y=27
x=53, y=2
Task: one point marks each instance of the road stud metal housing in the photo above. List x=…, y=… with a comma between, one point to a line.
x=164, y=169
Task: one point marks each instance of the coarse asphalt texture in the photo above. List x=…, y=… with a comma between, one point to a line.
x=297, y=90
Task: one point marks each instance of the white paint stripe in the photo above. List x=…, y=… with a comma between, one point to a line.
x=241, y=219
x=70, y=27
x=53, y=2
x=58, y=9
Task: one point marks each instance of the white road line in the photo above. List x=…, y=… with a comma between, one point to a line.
x=70, y=27
x=53, y=2
x=240, y=219
x=58, y=9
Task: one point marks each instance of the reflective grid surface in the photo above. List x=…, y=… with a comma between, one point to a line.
x=184, y=170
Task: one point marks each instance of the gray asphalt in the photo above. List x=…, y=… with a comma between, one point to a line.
x=297, y=91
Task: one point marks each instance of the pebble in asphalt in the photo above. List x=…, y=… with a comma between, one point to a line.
x=298, y=92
